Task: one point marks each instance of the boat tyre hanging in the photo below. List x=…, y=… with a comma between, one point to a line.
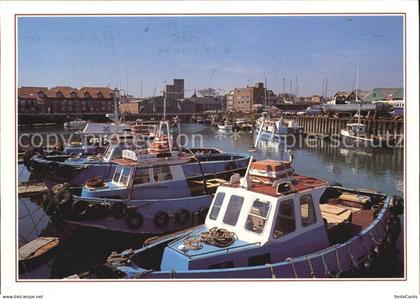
x=52, y=167
x=63, y=199
x=182, y=216
x=80, y=208
x=65, y=171
x=161, y=219
x=118, y=209
x=134, y=220
x=95, y=182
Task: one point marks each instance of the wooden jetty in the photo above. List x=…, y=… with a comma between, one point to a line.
x=27, y=189
x=328, y=126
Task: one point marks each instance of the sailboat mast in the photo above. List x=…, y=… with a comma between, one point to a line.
x=357, y=86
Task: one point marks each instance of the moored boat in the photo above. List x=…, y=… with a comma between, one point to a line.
x=273, y=225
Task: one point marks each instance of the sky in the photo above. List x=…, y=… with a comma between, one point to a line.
x=142, y=54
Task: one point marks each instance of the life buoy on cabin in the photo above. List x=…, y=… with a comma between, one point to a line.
x=134, y=220
x=95, y=182
x=118, y=209
x=182, y=216
x=230, y=166
x=161, y=219
x=80, y=208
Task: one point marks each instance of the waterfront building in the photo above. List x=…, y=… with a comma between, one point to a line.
x=175, y=91
x=385, y=94
x=244, y=99
x=65, y=100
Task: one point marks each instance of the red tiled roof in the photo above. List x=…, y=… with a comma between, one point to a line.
x=30, y=92
x=95, y=91
x=65, y=90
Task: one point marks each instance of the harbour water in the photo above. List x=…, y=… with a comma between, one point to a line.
x=382, y=171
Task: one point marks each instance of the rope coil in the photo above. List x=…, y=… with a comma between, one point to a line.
x=218, y=237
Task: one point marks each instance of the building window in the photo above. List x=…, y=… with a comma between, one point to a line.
x=257, y=217
x=307, y=210
x=285, y=222
x=218, y=201
x=233, y=210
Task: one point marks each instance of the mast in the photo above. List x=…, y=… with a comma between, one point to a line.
x=116, y=94
x=357, y=86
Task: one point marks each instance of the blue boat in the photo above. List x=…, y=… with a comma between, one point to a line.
x=273, y=223
x=146, y=195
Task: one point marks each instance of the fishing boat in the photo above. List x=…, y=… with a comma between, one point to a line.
x=355, y=133
x=76, y=169
x=75, y=124
x=146, y=196
x=225, y=127
x=273, y=223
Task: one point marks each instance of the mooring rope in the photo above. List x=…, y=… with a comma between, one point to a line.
x=270, y=266
x=352, y=257
x=311, y=269
x=290, y=261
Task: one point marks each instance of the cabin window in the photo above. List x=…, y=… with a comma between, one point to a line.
x=162, y=173
x=117, y=174
x=217, y=205
x=142, y=176
x=125, y=176
x=307, y=210
x=233, y=210
x=257, y=216
x=285, y=222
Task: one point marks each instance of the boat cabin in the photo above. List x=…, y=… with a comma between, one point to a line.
x=272, y=219
x=356, y=129
x=159, y=176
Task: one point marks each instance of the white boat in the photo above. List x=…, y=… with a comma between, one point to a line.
x=355, y=134
x=225, y=126
x=75, y=124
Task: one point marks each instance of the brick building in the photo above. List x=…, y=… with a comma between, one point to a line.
x=175, y=91
x=65, y=100
x=245, y=98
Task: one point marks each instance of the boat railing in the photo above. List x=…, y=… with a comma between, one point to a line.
x=228, y=249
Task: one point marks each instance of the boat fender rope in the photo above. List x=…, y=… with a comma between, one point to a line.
x=364, y=244
x=172, y=274
x=338, y=263
x=291, y=262
x=311, y=269
x=327, y=272
x=270, y=266
x=353, y=260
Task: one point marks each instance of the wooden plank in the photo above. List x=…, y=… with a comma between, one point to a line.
x=31, y=189
x=332, y=209
x=363, y=199
x=37, y=248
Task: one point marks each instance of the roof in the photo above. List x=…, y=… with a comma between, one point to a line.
x=30, y=92
x=95, y=91
x=65, y=90
x=385, y=93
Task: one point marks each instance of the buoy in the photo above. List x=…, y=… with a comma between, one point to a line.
x=161, y=219
x=118, y=209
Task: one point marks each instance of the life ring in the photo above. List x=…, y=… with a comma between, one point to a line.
x=134, y=220
x=80, y=208
x=118, y=209
x=230, y=166
x=202, y=214
x=182, y=216
x=52, y=167
x=95, y=182
x=161, y=219
x=63, y=198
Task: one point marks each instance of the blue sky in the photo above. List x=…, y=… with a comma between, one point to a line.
x=218, y=52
